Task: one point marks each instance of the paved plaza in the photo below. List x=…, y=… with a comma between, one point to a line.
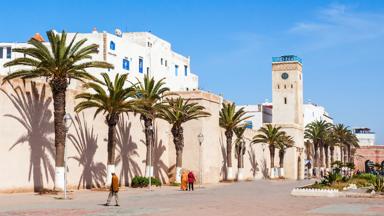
x=248, y=198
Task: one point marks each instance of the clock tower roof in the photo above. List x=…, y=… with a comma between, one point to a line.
x=286, y=58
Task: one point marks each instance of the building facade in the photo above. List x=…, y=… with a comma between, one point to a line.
x=314, y=112
x=365, y=136
x=134, y=53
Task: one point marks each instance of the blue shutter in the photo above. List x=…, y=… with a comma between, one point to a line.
x=112, y=45
x=176, y=70
x=140, y=65
x=125, y=64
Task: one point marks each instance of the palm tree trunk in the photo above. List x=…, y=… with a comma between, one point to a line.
x=316, y=159
x=332, y=150
x=341, y=154
x=281, y=158
x=229, y=135
x=178, y=140
x=321, y=154
x=349, y=153
x=272, y=155
x=326, y=156
x=345, y=154
x=58, y=88
x=112, y=120
x=149, y=144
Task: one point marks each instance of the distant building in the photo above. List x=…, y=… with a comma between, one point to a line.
x=314, y=112
x=134, y=53
x=365, y=136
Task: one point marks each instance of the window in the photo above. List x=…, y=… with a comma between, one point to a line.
x=1, y=52
x=185, y=70
x=249, y=124
x=285, y=86
x=176, y=70
x=291, y=85
x=141, y=65
x=166, y=63
x=125, y=64
x=285, y=100
x=161, y=61
x=112, y=45
x=147, y=70
x=9, y=52
x=278, y=86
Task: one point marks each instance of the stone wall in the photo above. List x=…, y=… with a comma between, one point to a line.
x=27, y=150
x=365, y=153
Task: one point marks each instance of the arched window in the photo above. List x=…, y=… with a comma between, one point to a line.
x=112, y=45
x=285, y=100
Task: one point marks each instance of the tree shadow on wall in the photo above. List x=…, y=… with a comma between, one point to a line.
x=34, y=115
x=223, y=148
x=127, y=150
x=264, y=169
x=160, y=169
x=252, y=160
x=85, y=142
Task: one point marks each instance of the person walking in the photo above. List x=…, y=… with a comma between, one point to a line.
x=184, y=181
x=114, y=190
x=191, y=180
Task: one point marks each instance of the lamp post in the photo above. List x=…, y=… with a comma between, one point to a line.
x=67, y=123
x=200, y=137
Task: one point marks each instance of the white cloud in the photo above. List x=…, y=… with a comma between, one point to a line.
x=339, y=24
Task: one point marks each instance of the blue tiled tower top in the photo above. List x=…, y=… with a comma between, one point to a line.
x=286, y=58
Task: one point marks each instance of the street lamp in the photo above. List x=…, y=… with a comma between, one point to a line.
x=67, y=123
x=200, y=137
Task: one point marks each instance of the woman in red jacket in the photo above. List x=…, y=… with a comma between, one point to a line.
x=191, y=180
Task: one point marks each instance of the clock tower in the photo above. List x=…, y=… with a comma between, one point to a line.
x=287, y=111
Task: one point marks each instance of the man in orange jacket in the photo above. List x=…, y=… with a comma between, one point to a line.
x=114, y=190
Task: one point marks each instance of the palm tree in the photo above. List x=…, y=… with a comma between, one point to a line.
x=283, y=144
x=240, y=149
x=270, y=135
x=58, y=62
x=177, y=112
x=340, y=132
x=316, y=132
x=230, y=119
x=149, y=95
x=112, y=103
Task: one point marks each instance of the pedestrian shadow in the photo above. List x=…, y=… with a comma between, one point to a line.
x=127, y=150
x=33, y=114
x=264, y=169
x=85, y=142
x=252, y=160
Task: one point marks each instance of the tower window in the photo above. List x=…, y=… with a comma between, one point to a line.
x=291, y=85
x=285, y=86
x=278, y=86
x=161, y=61
x=285, y=100
x=166, y=63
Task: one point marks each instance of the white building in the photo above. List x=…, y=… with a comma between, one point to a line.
x=135, y=53
x=365, y=136
x=314, y=112
x=259, y=114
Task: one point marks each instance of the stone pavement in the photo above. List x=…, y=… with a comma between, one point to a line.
x=270, y=198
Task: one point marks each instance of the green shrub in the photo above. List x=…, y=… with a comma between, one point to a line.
x=367, y=176
x=331, y=178
x=140, y=181
x=378, y=184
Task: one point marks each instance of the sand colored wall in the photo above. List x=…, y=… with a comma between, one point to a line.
x=27, y=150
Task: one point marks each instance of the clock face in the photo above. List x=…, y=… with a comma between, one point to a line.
x=284, y=76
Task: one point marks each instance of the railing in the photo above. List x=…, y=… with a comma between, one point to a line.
x=286, y=58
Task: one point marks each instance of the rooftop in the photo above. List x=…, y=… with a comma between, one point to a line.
x=287, y=58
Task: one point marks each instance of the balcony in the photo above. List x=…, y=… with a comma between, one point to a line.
x=287, y=58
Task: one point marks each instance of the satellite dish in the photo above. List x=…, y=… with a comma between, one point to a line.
x=118, y=32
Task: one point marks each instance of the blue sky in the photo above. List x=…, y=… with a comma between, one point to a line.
x=231, y=43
